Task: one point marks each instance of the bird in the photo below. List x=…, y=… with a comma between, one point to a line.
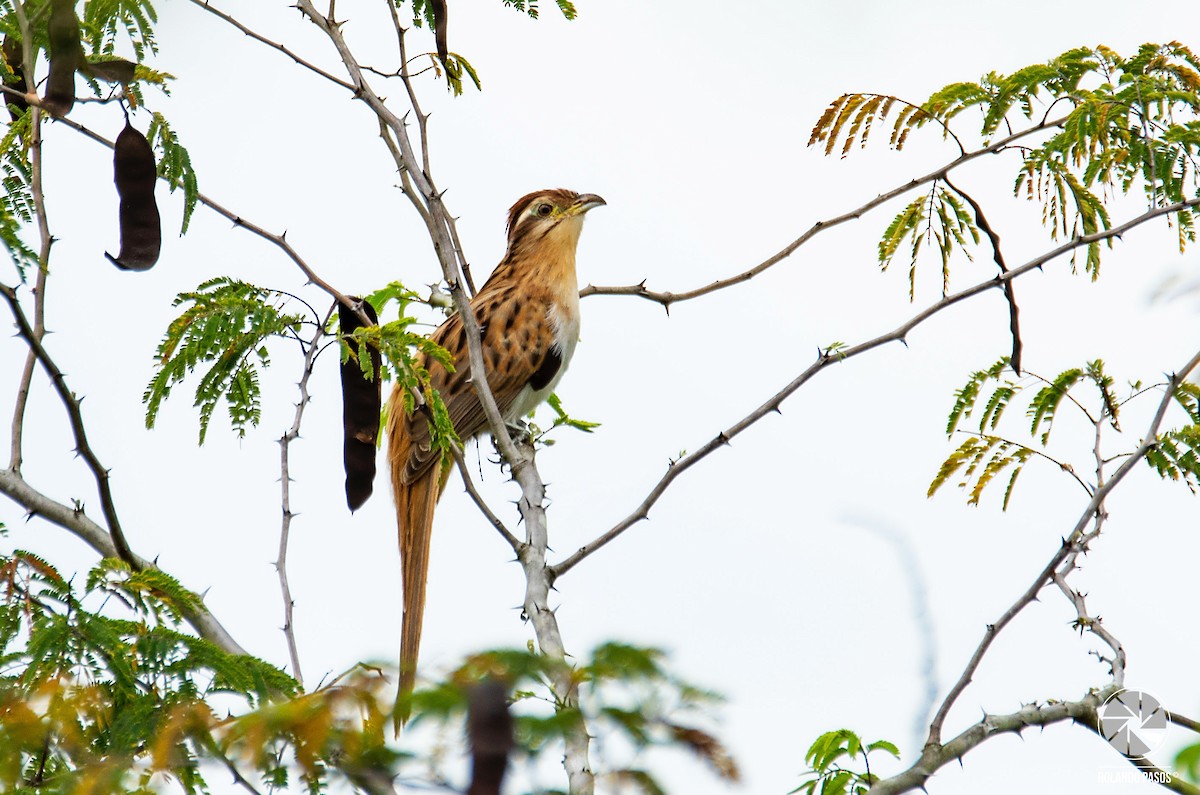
x=528, y=315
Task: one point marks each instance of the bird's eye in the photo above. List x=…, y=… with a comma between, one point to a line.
x=543, y=210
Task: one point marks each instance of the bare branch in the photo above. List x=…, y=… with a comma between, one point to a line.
x=272, y=44
x=483, y=507
x=1081, y=712
x=828, y=358
x=13, y=486
x=667, y=298
x=71, y=403
x=39, y=289
x=285, y=498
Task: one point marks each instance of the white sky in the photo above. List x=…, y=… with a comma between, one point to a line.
x=759, y=570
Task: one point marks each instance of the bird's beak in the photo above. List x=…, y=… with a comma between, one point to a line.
x=586, y=202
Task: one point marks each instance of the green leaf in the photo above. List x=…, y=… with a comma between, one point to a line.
x=175, y=166
x=224, y=325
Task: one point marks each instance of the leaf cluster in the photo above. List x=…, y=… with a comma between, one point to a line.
x=17, y=207
x=1127, y=122
x=985, y=455
x=87, y=696
x=174, y=165
x=224, y=327
x=937, y=216
x=827, y=757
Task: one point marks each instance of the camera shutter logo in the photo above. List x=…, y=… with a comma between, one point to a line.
x=1133, y=722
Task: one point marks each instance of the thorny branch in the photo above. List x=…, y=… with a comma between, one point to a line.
x=71, y=403
x=16, y=488
x=228, y=19
x=667, y=298
x=39, y=293
x=828, y=358
x=936, y=754
x=285, y=497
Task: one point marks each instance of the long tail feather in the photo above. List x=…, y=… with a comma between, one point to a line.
x=414, y=515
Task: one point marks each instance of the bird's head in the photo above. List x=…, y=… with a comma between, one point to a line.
x=552, y=217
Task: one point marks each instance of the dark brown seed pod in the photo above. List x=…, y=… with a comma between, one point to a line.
x=490, y=728
x=135, y=175
x=440, y=22
x=361, y=403
x=113, y=71
x=66, y=55
x=14, y=57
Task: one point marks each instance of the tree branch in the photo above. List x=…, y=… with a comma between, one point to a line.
x=39, y=290
x=69, y=401
x=75, y=521
x=668, y=298
x=831, y=357
x=285, y=497
x=272, y=44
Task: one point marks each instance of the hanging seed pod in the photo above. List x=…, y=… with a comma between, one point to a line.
x=66, y=55
x=490, y=729
x=115, y=70
x=135, y=175
x=440, y=22
x=14, y=57
x=361, y=403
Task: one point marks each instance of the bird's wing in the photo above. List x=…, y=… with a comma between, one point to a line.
x=518, y=350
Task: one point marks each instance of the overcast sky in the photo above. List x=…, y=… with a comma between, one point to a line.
x=770, y=572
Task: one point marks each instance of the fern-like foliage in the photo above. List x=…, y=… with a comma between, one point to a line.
x=1177, y=455
x=423, y=10
x=17, y=206
x=104, y=20
x=1127, y=123
x=85, y=694
x=938, y=216
x=224, y=327
x=174, y=165
x=985, y=454
x=530, y=7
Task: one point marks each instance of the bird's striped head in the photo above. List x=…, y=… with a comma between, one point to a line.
x=553, y=216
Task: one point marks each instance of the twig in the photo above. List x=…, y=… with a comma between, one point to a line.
x=1093, y=625
x=1070, y=470
x=668, y=298
x=39, y=290
x=828, y=358
x=1013, y=312
x=273, y=45
x=483, y=507
x=71, y=403
x=285, y=497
